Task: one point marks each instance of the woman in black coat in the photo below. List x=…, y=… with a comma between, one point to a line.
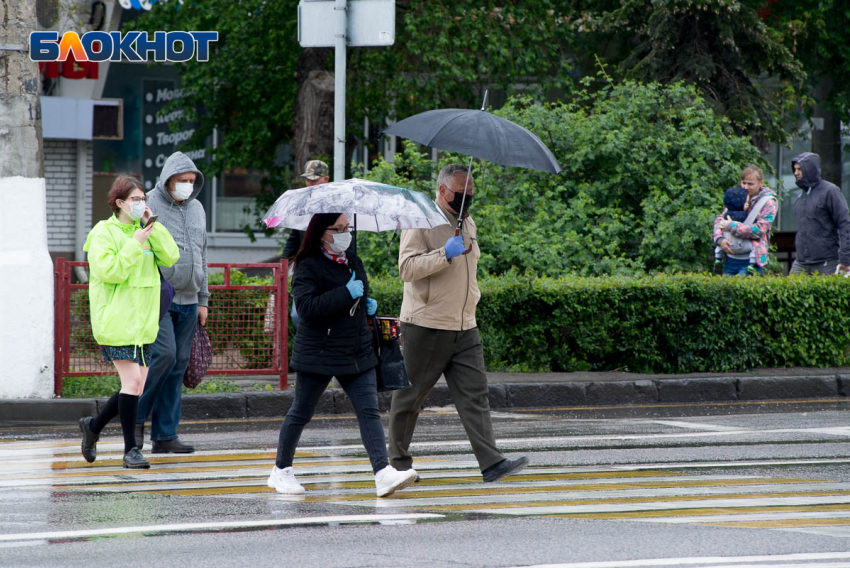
x=331, y=294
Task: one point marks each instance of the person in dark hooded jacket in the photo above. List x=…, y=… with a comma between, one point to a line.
x=331, y=292
x=823, y=221
x=174, y=201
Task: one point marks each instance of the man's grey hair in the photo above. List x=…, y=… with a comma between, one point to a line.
x=448, y=172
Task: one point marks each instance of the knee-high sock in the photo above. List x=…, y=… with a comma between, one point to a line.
x=128, y=406
x=110, y=411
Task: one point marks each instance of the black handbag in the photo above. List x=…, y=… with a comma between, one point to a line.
x=391, y=372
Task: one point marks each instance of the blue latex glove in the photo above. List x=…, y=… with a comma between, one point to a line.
x=355, y=287
x=455, y=247
x=371, y=306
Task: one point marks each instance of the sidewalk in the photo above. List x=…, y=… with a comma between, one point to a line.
x=507, y=390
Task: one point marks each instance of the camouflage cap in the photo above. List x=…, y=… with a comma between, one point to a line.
x=315, y=169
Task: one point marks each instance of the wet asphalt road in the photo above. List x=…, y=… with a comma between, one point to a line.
x=683, y=485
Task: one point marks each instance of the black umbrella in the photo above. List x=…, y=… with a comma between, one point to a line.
x=479, y=134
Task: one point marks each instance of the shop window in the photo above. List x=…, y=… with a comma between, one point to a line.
x=236, y=198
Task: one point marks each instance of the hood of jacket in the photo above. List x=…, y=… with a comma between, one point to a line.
x=810, y=166
x=179, y=163
x=187, y=223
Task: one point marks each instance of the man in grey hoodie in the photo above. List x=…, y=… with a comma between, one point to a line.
x=823, y=221
x=174, y=201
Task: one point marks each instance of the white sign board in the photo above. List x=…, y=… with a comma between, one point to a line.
x=370, y=23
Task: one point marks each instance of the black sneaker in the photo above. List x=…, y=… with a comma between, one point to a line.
x=135, y=460
x=504, y=468
x=89, y=444
x=174, y=446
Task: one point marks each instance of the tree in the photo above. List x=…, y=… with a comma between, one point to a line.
x=721, y=46
x=247, y=88
x=445, y=55
x=816, y=32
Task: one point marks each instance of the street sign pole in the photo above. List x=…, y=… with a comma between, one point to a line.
x=341, y=17
x=341, y=24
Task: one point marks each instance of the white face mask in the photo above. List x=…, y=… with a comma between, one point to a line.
x=182, y=191
x=341, y=242
x=137, y=209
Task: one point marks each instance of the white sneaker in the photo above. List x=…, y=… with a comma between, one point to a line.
x=283, y=481
x=390, y=480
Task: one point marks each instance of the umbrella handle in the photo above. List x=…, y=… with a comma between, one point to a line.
x=467, y=251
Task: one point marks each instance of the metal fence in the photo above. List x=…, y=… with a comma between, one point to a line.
x=247, y=325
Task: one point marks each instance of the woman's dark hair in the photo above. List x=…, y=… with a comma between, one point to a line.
x=311, y=243
x=121, y=189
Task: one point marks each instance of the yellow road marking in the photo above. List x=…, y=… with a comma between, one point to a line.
x=637, y=500
x=703, y=512
x=506, y=490
x=91, y=470
x=183, y=459
x=503, y=490
x=777, y=524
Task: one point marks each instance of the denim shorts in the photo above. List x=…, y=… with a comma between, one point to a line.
x=137, y=354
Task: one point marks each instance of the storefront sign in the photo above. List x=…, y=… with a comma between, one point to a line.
x=158, y=140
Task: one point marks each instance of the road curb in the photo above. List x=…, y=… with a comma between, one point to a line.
x=46, y=411
x=574, y=393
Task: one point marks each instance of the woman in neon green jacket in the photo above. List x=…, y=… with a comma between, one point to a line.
x=124, y=302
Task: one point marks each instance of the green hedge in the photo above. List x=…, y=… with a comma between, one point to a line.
x=659, y=324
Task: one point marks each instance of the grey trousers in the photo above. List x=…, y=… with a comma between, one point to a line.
x=429, y=353
x=827, y=267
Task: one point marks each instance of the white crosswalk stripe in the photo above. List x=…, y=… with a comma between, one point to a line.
x=339, y=475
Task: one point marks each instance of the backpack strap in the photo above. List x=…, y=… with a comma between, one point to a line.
x=757, y=209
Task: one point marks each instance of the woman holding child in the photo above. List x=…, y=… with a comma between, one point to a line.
x=752, y=224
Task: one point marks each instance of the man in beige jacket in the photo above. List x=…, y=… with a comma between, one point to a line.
x=439, y=330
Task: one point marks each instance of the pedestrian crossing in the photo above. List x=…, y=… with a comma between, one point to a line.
x=708, y=493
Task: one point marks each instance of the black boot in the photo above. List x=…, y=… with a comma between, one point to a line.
x=89, y=444
x=174, y=446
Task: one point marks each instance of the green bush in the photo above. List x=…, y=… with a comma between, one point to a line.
x=256, y=345
x=644, y=170
x=105, y=386
x=90, y=387
x=658, y=324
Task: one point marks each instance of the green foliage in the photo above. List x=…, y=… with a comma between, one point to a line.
x=659, y=324
x=255, y=344
x=242, y=312
x=246, y=89
x=645, y=167
x=816, y=32
x=446, y=53
x=213, y=386
x=90, y=387
x=105, y=386
x=721, y=46
x=248, y=92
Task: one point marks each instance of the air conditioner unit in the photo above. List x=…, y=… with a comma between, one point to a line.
x=108, y=119
x=67, y=118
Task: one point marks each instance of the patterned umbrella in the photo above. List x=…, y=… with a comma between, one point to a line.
x=378, y=207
